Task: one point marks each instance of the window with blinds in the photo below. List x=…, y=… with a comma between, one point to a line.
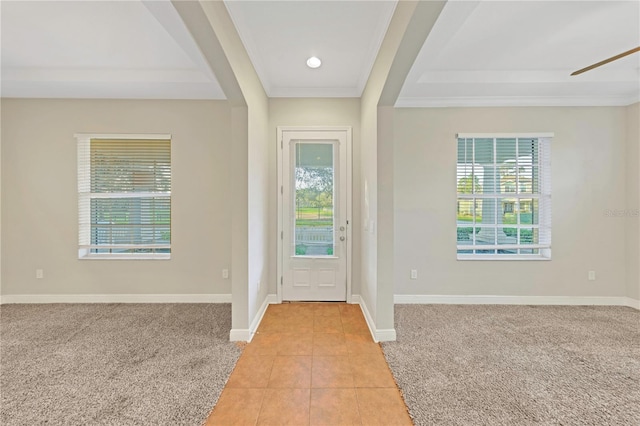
x=124, y=196
x=503, y=196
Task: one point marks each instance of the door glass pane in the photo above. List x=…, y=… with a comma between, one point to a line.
x=314, y=199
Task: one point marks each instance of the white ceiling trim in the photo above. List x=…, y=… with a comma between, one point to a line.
x=315, y=92
x=142, y=76
x=374, y=47
x=108, y=90
x=165, y=13
x=530, y=76
x=445, y=28
x=240, y=21
x=515, y=101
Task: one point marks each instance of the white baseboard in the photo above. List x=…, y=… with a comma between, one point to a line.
x=633, y=303
x=115, y=298
x=355, y=299
x=385, y=335
x=269, y=300
x=240, y=335
x=379, y=335
x=425, y=299
x=246, y=334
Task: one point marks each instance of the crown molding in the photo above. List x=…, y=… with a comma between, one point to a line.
x=513, y=101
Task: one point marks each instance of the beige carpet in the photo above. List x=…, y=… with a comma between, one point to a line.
x=113, y=364
x=518, y=365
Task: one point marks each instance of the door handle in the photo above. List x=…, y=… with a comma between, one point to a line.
x=342, y=238
x=342, y=228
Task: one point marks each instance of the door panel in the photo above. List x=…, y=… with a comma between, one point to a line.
x=314, y=215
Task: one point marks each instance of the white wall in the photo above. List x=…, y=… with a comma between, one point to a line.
x=259, y=202
x=369, y=203
x=39, y=197
x=588, y=177
x=314, y=112
x=633, y=201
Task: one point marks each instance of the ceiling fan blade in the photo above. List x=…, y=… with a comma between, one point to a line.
x=606, y=61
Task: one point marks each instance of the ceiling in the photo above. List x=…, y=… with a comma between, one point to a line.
x=479, y=53
x=280, y=36
x=101, y=49
x=523, y=52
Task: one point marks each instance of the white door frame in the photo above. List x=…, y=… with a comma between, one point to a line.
x=280, y=268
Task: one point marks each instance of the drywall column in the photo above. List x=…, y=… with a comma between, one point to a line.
x=633, y=203
x=368, y=210
x=634, y=135
x=258, y=207
x=211, y=27
x=385, y=234
x=239, y=222
x=409, y=27
x=1, y=205
x=254, y=232
x=371, y=98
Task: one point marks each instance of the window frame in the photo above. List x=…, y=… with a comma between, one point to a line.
x=543, y=198
x=85, y=196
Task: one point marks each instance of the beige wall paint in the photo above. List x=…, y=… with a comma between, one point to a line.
x=0, y=200
x=385, y=226
x=314, y=112
x=39, y=197
x=633, y=201
x=240, y=219
x=588, y=177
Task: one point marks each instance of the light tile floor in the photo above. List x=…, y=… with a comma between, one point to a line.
x=311, y=364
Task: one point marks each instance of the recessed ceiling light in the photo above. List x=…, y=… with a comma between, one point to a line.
x=314, y=62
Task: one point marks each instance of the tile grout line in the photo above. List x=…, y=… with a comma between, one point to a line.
x=313, y=334
x=266, y=388
x=264, y=394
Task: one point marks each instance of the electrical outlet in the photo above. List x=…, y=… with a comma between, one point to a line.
x=225, y=273
x=414, y=274
x=592, y=275
x=39, y=274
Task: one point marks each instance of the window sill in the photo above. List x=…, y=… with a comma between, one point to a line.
x=125, y=257
x=313, y=256
x=502, y=257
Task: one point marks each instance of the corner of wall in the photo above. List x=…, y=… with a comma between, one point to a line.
x=378, y=334
x=633, y=303
x=246, y=334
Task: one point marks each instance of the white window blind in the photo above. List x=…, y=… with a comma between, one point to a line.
x=124, y=196
x=503, y=196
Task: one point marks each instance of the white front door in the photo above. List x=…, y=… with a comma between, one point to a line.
x=314, y=216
